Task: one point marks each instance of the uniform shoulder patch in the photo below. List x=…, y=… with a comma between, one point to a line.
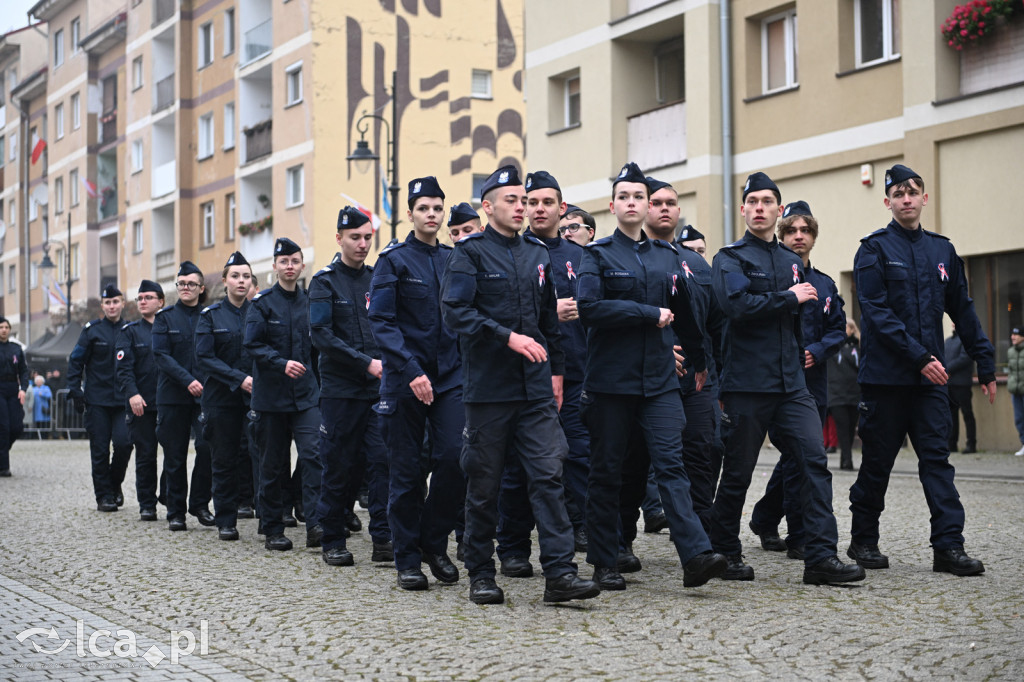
x=444, y=246
x=475, y=235
x=823, y=274
x=599, y=242
x=876, y=233
x=663, y=244
x=734, y=245
x=323, y=271
x=534, y=240
x=369, y=268
x=392, y=247
x=164, y=309
x=89, y=324
x=934, y=234
x=129, y=324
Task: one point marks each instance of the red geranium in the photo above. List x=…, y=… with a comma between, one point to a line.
x=969, y=22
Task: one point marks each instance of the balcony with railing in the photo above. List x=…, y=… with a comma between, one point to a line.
x=166, y=265
x=657, y=138
x=163, y=10
x=164, y=179
x=258, y=140
x=258, y=41
x=163, y=94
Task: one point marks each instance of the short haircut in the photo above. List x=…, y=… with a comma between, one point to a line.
x=909, y=183
x=224, y=272
x=584, y=217
x=786, y=223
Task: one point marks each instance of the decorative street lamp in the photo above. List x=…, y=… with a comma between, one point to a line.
x=48, y=268
x=364, y=157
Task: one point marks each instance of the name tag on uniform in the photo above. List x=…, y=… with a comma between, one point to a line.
x=757, y=274
x=619, y=273
x=274, y=322
x=896, y=263
x=412, y=280
x=491, y=275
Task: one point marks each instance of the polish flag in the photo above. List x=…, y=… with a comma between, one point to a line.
x=38, y=145
x=90, y=188
x=374, y=220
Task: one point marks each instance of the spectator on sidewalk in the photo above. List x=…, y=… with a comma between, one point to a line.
x=1015, y=382
x=42, y=398
x=844, y=393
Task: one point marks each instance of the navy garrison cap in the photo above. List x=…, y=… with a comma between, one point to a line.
x=236, y=259
x=110, y=291
x=349, y=218
x=797, y=208
x=149, y=286
x=286, y=247
x=541, y=180
x=897, y=174
x=630, y=173
x=506, y=176
x=654, y=185
x=690, y=233
x=424, y=187
x=188, y=268
x=569, y=208
x=461, y=213
x=758, y=181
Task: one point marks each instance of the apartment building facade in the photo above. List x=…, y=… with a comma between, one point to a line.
x=823, y=96
x=180, y=129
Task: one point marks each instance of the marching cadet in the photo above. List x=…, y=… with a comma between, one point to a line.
x=823, y=325
x=13, y=383
x=632, y=297
x=102, y=400
x=284, y=395
x=760, y=285
x=421, y=392
x=351, y=444
x=137, y=379
x=226, y=368
x=698, y=405
x=177, y=398
x=498, y=295
x=463, y=220
x=576, y=225
x=906, y=279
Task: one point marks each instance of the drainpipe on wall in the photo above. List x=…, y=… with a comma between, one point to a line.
x=26, y=245
x=726, y=85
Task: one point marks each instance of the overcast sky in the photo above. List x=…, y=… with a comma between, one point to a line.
x=13, y=14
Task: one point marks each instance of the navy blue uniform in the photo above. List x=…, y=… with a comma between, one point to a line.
x=178, y=411
x=276, y=331
x=960, y=369
x=494, y=286
x=351, y=444
x=405, y=316
x=515, y=520
x=136, y=373
x=93, y=360
x=823, y=324
x=763, y=384
x=223, y=365
x=906, y=280
x=631, y=380
x=13, y=378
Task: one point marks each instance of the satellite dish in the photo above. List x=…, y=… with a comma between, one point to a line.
x=41, y=194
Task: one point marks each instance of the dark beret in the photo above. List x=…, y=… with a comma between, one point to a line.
x=285, y=247
x=424, y=187
x=461, y=213
x=349, y=218
x=541, y=180
x=149, y=286
x=759, y=181
x=110, y=291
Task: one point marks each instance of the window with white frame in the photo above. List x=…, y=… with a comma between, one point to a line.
x=293, y=77
x=229, y=125
x=571, y=95
x=58, y=48
x=58, y=195
x=481, y=86
x=295, y=186
x=58, y=121
x=208, y=224
x=76, y=111
x=778, y=52
x=876, y=26
x=137, y=73
x=229, y=31
x=206, y=44
x=137, y=236
x=76, y=34
x=73, y=186
x=231, y=216
x=137, y=160
x=206, y=136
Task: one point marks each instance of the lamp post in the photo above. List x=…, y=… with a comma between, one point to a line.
x=47, y=266
x=364, y=156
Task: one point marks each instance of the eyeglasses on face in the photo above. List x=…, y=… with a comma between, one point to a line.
x=571, y=227
x=143, y=299
x=187, y=285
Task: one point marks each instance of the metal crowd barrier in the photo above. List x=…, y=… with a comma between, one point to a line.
x=65, y=422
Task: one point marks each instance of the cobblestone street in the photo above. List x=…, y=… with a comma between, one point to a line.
x=252, y=614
